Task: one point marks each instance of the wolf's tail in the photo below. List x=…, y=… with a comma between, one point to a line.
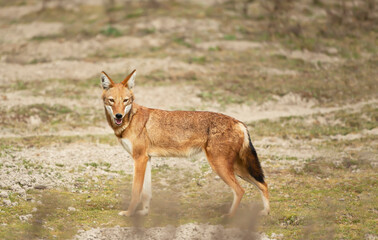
x=250, y=159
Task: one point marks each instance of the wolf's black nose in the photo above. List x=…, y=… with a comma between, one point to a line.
x=118, y=115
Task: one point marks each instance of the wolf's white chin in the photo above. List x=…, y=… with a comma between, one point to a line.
x=118, y=121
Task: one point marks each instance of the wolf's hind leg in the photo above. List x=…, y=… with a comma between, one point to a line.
x=226, y=172
x=262, y=186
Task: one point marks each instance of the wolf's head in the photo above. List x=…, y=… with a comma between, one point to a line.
x=117, y=97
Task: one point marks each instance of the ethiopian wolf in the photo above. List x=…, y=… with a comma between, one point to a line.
x=147, y=132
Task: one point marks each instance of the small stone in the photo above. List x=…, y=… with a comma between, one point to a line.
x=342, y=199
x=298, y=169
x=15, y=187
x=370, y=237
x=286, y=196
x=88, y=200
x=25, y=218
x=40, y=187
x=34, y=209
x=35, y=120
x=7, y=202
x=277, y=236
x=337, y=163
x=71, y=209
x=332, y=50
x=21, y=192
x=216, y=177
x=374, y=164
x=4, y=194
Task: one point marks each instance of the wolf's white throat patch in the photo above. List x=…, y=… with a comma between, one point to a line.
x=127, y=145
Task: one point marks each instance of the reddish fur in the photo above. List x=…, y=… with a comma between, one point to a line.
x=155, y=132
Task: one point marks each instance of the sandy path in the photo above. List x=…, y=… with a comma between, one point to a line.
x=230, y=45
x=309, y=56
x=22, y=32
x=186, y=231
x=69, y=49
x=73, y=161
x=181, y=98
x=273, y=110
x=84, y=70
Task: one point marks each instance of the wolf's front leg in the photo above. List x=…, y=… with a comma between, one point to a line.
x=146, y=192
x=140, y=164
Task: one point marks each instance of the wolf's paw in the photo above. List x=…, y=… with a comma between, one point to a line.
x=142, y=212
x=125, y=213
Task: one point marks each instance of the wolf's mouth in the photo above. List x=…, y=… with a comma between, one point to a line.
x=118, y=121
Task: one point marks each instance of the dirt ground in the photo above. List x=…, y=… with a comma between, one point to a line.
x=301, y=74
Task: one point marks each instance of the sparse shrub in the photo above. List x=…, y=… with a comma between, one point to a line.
x=229, y=37
x=292, y=220
x=198, y=60
x=241, y=6
x=149, y=30
x=182, y=41
x=135, y=13
x=92, y=164
x=349, y=162
x=312, y=168
x=108, y=8
x=111, y=31
x=278, y=13
x=344, y=17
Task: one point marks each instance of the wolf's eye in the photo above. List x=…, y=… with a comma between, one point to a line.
x=125, y=100
x=111, y=100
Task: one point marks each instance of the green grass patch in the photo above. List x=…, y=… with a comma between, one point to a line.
x=182, y=41
x=135, y=13
x=229, y=37
x=111, y=31
x=198, y=60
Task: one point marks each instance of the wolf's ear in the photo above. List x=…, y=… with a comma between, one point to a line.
x=106, y=81
x=129, y=81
